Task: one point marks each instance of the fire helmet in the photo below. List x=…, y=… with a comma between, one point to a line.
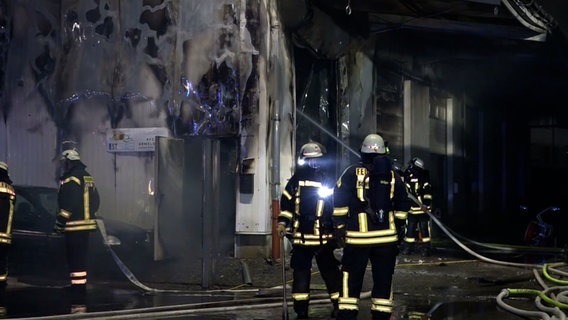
x=309, y=152
x=70, y=154
x=417, y=162
x=373, y=143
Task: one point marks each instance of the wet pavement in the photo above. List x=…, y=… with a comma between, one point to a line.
x=447, y=285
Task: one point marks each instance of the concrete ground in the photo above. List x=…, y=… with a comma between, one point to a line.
x=450, y=284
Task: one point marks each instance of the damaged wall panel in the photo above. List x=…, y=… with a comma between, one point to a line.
x=81, y=68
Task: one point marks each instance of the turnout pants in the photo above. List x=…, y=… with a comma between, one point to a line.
x=355, y=260
x=417, y=222
x=301, y=263
x=77, y=246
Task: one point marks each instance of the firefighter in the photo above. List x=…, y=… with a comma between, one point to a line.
x=367, y=196
x=417, y=180
x=78, y=201
x=7, y=198
x=306, y=208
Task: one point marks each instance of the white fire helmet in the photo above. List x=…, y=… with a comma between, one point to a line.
x=373, y=143
x=418, y=163
x=70, y=154
x=308, y=153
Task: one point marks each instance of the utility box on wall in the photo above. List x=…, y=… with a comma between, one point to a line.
x=246, y=176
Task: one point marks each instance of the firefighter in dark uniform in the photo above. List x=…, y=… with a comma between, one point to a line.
x=306, y=208
x=78, y=201
x=417, y=180
x=7, y=198
x=366, y=198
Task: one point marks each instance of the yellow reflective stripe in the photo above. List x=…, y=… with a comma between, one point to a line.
x=287, y=194
x=340, y=211
x=81, y=225
x=343, y=306
x=309, y=236
x=381, y=308
x=7, y=188
x=409, y=240
x=334, y=295
x=301, y=296
x=308, y=242
x=347, y=303
x=286, y=214
x=89, y=180
x=370, y=234
x=382, y=305
x=319, y=208
x=5, y=238
x=308, y=183
x=363, y=227
x=401, y=215
x=65, y=214
x=4, y=277
x=10, y=216
x=383, y=301
x=72, y=179
x=345, y=286
x=81, y=222
x=349, y=300
x=81, y=228
x=86, y=209
x=360, y=183
x=428, y=196
x=380, y=240
x=297, y=201
x=427, y=239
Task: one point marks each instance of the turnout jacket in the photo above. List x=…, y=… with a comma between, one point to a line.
x=7, y=198
x=417, y=181
x=78, y=200
x=369, y=217
x=307, y=207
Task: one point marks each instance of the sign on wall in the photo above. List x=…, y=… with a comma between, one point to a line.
x=134, y=139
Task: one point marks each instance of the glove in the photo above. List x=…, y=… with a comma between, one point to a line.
x=59, y=227
x=281, y=229
x=339, y=236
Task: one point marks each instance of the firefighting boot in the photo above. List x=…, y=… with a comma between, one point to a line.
x=380, y=315
x=347, y=315
x=406, y=248
x=301, y=308
x=3, y=285
x=335, y=309
x=425, y=250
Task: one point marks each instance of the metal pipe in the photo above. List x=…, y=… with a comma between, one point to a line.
x=276, y=110
x=275, y=184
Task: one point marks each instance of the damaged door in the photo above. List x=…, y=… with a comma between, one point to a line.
x=188, y=228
